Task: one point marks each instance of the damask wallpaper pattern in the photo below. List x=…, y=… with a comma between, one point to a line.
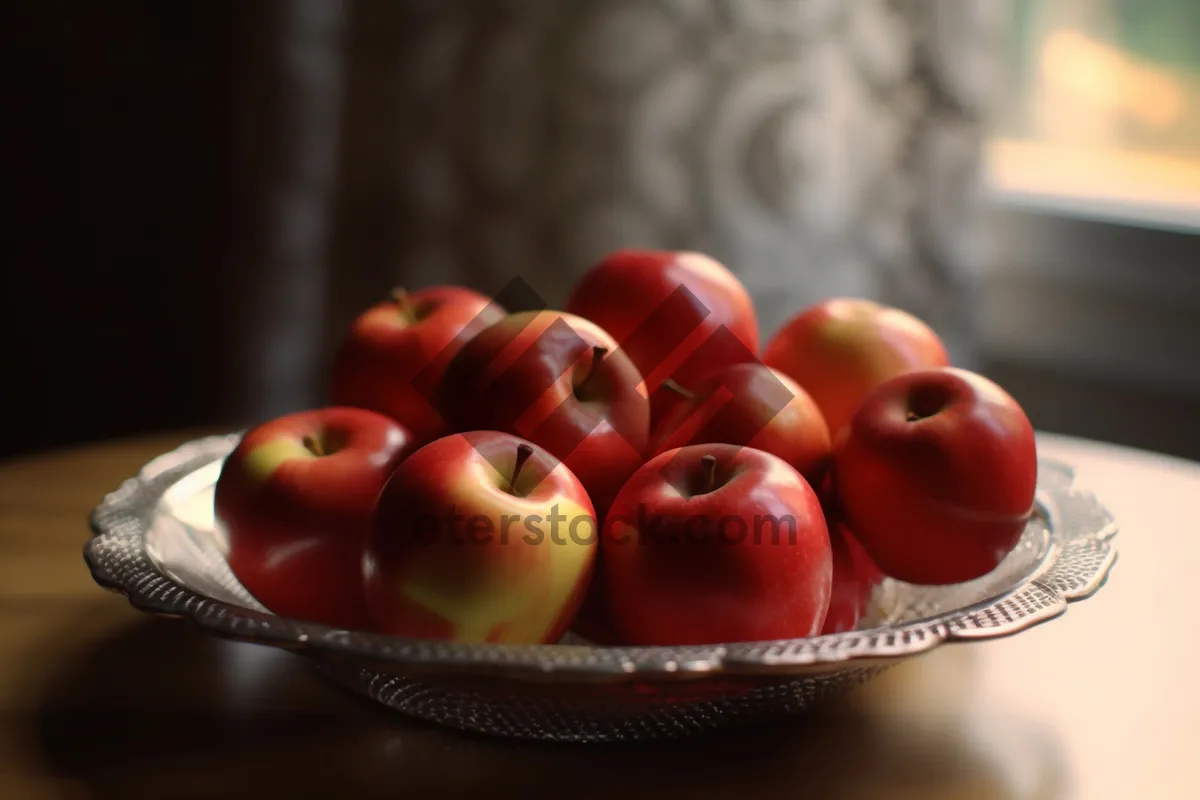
x=816, y=147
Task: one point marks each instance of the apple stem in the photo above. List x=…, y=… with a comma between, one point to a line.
x=313, y=445
x=710, y=472
x=400, y=298
x=598, y=354
x=524, y=451
x=671, y=385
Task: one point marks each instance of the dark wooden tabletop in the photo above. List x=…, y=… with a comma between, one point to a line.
x=98, y=700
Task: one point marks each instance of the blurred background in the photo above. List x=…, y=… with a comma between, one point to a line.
x=202, y=195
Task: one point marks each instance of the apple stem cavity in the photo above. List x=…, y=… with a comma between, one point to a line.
x=710, y=473
x=671, y=385
x=598, y=354
x=924, y=403
x=403, y=303
x=524, y=451
x=400, y=298
x=313, y=445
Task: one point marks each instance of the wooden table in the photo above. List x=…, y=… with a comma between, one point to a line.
x=98, y=700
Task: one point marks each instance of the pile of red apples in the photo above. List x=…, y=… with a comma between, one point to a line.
x=639, y=467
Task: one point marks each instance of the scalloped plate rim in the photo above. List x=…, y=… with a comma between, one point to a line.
x=817, y=655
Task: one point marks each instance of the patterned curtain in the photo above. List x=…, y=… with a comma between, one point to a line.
x=816, y=147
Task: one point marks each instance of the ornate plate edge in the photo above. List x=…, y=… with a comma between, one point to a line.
x=1081, y=532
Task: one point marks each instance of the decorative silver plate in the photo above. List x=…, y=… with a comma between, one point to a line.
x=155, y=542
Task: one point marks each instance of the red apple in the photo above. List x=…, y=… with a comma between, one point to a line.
x=593, y=621
x=850, y=598
x=480, y=537
x=754, y=406
x=561, y=382
x=868, y=571
x=677, y=314
x=716, y=543
x=395, y=353
x=841, y=349
x=295, y=499
x=936, y=475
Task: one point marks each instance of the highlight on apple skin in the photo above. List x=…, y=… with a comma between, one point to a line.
x=394, y=356
x=295, y=501
x=840, y=349
x=937, y=475
x=480, y=537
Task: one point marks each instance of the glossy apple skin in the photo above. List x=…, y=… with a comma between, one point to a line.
x=754, y=406
x=393, y=362
x=296, y=522
x=840, y=349
x=670, y=584
x=534, y=375
x=480, y=579
x=943, y=497
x=636, y=296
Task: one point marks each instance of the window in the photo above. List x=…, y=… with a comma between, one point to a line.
x=1102, y=116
